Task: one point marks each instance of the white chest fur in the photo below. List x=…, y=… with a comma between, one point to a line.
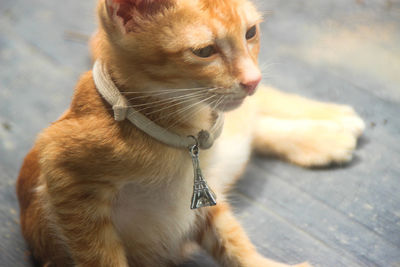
x=155, y=219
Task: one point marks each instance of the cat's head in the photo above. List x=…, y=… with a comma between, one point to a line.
x=210, y=45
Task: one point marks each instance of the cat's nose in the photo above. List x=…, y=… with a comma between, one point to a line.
x=250, y=85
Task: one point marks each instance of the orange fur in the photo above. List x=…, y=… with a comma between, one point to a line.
x=96, y=192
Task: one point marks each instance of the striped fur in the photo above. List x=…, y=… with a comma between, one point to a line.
x=96, y=192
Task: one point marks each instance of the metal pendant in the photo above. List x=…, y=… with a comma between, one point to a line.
x=203, y=196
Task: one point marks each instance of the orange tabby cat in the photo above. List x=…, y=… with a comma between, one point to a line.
x=94, y=191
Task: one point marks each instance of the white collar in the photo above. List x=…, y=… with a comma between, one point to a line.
x=112, y=95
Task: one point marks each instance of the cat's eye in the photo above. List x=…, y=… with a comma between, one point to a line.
x=205, y=52
x=251, y=32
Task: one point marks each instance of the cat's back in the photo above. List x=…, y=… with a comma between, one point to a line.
x=85, y=133
x=84, y=140
x=30, y=171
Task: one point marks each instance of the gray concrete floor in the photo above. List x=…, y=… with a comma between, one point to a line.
x=337, y=50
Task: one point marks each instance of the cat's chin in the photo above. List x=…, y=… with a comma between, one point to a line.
x=231, y=104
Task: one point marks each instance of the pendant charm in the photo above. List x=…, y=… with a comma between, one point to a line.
x=203, y=196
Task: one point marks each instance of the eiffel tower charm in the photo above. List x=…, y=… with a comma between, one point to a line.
x=203, y=196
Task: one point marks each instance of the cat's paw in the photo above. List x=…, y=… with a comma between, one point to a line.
x=344, y=115
x=310, y=142
x=320, y=143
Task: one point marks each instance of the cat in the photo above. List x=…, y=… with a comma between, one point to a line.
x=96, y=191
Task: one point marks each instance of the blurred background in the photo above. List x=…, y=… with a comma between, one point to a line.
x=345, y=51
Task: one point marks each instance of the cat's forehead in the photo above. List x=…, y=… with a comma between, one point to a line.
x=231, y=12
x=198, y=23
x=225, y=17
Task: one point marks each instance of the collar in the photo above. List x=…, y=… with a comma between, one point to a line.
x=122, y=111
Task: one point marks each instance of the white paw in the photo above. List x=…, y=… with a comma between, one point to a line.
x=352, y=123
x=328, y=135
x=345, y=116
x=319, y=143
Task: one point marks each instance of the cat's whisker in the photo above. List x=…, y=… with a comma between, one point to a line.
x=266, y=70
x=170, y=99
x=215, y=89
x=162, y=92
x=191, y=113
x=175, y=104
x=266, y=66
x=169, y=106
x=177, y=100
x=171, y=90
x=196, y=104
x=182, y=110
x=267, y=75
x=221, y=98
x=170, y=102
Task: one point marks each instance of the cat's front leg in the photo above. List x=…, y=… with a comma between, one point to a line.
x=224, y=239
x=81, y=211
x=303, y=131
x=277, y=104
x=304, y=142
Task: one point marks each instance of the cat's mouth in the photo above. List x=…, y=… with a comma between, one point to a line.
x=227, y=98
x=230, y=103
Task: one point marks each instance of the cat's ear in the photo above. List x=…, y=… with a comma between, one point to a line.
x=127, y=14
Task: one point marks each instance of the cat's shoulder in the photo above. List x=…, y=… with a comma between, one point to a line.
x=87, y=101
x=85, y=131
